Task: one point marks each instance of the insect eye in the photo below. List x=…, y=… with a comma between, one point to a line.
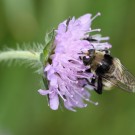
x=86, y=60
x=91, y=52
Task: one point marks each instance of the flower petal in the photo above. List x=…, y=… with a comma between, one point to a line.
x=85, y=22
x=43, y=92
x=54, y=101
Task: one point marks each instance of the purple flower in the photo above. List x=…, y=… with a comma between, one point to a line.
x=66, y=72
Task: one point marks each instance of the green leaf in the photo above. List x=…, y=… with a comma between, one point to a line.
x=44, y=57
x=49, y=36
x=45, y=81
x=49, y=42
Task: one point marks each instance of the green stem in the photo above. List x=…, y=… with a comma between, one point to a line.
x=18, y=54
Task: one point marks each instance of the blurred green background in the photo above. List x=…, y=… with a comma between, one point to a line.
x=22, y=110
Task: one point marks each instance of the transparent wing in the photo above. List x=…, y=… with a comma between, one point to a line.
x=121, y=77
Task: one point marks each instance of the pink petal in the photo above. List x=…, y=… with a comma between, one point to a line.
x=43, y=92
x=54, y=102
x=85, y=21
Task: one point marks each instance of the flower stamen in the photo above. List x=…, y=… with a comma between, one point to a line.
x=94, y=17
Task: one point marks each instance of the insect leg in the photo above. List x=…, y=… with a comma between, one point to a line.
x=99, y=85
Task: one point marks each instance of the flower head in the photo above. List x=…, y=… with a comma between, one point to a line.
x=66, y=72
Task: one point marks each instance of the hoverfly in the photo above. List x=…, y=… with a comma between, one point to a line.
x=108, y=70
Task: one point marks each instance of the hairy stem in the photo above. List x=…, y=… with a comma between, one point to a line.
x=18, y=54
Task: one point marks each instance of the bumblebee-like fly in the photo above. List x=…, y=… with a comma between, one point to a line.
x=108, y=71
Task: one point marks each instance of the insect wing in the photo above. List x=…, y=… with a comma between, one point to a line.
x=121, y=77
